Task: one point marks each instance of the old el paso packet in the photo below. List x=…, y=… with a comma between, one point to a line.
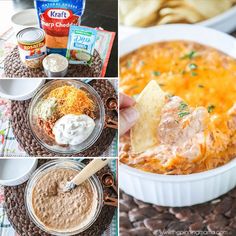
x=55, y=18
x=81, y=45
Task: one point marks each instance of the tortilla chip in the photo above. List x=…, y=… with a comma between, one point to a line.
x=149, y=105
x=146, y=13
x=139, y=13
x=173, y=15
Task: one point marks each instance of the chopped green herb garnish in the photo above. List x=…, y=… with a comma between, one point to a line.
x=183, y=113
x=192, y=54
x=128, y=64
x=156, y=73
x=182, y=106
x=193, y=73
x=183, y=109
x=210, y=108
x=189, y=55
x=142, y=63
x=200, y=86
x=192, y=66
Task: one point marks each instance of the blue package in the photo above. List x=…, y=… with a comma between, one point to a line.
x=55, y=18
x=81, y=45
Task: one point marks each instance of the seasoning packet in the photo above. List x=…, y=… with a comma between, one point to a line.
x=81, y=45
x=82, y=54
x=55, y=18
x=104, y=45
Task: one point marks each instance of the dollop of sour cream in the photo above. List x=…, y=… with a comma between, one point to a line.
x=73, y=129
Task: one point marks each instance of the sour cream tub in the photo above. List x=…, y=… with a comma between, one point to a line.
x=178, y=190
x=55, y=65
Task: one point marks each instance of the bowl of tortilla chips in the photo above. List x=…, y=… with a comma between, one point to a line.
x=138, y=14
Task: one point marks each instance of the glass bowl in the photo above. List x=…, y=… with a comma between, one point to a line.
x=43, y=138
x=41, y=171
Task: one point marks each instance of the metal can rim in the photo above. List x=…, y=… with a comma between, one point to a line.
x=38, y=40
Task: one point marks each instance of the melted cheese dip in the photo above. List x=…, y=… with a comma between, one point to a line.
x=202, y=77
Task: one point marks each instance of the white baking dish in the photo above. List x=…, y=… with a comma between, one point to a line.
x=177, y=190
x=16, y=171
x=181, y=190
x=19, y=89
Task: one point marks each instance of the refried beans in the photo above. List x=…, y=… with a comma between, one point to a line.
x=63, y=211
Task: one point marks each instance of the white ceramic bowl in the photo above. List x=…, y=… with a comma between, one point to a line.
x=24, y=19
x=19, y=89
x=16, y=171
x=224, y=22
x=178, y=190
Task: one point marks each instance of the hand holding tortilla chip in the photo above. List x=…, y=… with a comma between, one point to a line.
x=149, y=105
x=128, y=114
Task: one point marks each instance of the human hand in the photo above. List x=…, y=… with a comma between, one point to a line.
x=128, y=114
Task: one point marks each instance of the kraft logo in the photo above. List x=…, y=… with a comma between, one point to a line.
x=58, y=14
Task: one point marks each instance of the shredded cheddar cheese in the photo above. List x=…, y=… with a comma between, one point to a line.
x=72, y=100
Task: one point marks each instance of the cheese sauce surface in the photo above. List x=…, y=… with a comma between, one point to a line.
x=201, y=76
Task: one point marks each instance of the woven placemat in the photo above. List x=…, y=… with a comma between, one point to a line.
x=13, y=67
x=18, y=217
x=139, y=218
x=27, y=141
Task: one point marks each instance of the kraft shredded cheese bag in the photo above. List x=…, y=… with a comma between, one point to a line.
x=56, y=17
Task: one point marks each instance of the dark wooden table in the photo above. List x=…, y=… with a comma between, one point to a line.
x=98, y=13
